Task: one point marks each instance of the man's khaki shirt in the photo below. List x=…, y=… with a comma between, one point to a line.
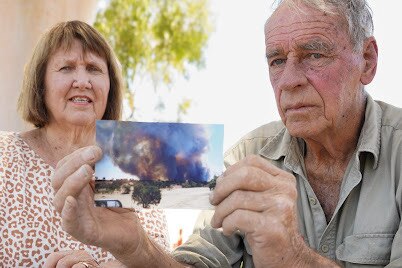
x=366, y=228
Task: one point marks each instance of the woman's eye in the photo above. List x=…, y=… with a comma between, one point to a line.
x=66, y=68
x=93, y=69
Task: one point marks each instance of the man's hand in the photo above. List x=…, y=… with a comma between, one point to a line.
x=97, y=226
x=259, y=199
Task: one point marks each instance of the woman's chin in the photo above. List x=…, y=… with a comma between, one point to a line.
x=84, y=121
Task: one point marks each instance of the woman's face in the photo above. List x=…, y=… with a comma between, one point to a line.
x=76, y=86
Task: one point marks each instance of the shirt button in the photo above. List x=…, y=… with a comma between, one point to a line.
x=324, y=248
x=313, y=201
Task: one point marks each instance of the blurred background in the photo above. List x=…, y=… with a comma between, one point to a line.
x=196, y=61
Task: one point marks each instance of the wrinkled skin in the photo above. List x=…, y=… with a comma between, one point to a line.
x=318, y=80
x=116, y=230
x=74, y=259
x=70, y=259
x=73, y=73
x=74, y=200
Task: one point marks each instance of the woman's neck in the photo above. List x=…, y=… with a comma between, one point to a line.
x=53, y=143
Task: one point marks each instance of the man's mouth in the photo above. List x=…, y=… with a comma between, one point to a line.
x=296, y=108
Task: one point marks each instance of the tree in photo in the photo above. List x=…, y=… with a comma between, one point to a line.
x=158, y=39
x=146, y=194
x=212, y=183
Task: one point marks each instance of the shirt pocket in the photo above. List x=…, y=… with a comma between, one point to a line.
x=372, y=249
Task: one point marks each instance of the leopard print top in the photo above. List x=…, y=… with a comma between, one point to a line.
x=30, y=228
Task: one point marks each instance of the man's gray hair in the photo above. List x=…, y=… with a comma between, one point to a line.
x=357, y=13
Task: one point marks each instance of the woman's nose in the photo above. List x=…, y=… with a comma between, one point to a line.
x=82, y=80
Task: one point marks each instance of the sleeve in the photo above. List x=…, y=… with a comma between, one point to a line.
x=208, y=247
x=396, y=249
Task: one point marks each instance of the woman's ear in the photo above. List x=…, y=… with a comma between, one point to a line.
x=370, y=57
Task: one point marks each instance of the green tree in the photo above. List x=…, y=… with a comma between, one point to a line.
x=159, y=39
x=146, y=194
x=212, y=183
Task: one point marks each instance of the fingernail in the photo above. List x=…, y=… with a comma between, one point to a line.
x=88, y=154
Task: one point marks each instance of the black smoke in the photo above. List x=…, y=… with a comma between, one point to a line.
x=158, y=151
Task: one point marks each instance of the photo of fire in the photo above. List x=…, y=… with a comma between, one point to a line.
x=163, y=165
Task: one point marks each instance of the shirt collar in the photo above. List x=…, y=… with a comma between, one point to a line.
x=370, y=135
x=284, y=145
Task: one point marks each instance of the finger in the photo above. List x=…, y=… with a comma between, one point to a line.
x=247, y=178
x=69, y=213
x=248, y=222
x=254, y=161
x=79, y=265
x=78, y=152
x=72, y=222
x=244, y=200
x=73, y=185
x=69, y=216
x=76, y=259
x=85, y=264
x=54, y=257
x=71, y=163
x=282, y=214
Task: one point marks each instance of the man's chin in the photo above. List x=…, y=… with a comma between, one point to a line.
x=301, y=129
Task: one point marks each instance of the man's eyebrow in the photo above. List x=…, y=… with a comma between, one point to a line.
x=273, y=53
x=317, y=45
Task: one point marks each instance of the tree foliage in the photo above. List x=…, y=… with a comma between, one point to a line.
x=156, y=38
x=146, y=194
x=212, y=183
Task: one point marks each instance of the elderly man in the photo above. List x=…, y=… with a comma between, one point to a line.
x=321, y=188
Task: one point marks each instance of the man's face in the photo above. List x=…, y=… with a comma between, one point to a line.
x=314, y=71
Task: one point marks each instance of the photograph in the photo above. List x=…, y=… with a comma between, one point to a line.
x=157, y=165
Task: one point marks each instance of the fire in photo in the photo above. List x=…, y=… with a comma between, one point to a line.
x=164, y=165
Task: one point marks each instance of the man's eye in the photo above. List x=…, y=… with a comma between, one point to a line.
x=315, y=56
x=278, y=62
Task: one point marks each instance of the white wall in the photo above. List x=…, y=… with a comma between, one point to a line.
x=22, y=22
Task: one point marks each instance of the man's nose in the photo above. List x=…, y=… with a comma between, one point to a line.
x=82, y=80
x=293, y=76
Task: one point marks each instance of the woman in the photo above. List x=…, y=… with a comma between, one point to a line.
x=72, y=79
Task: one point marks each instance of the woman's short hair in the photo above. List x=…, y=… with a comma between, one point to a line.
x=31, y=102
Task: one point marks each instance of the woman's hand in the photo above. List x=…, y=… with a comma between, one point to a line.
x=70, y=259
x=116, y=230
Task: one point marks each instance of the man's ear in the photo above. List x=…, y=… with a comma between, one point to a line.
x=370, y=57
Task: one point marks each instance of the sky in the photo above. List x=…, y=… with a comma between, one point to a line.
x=234, y=87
